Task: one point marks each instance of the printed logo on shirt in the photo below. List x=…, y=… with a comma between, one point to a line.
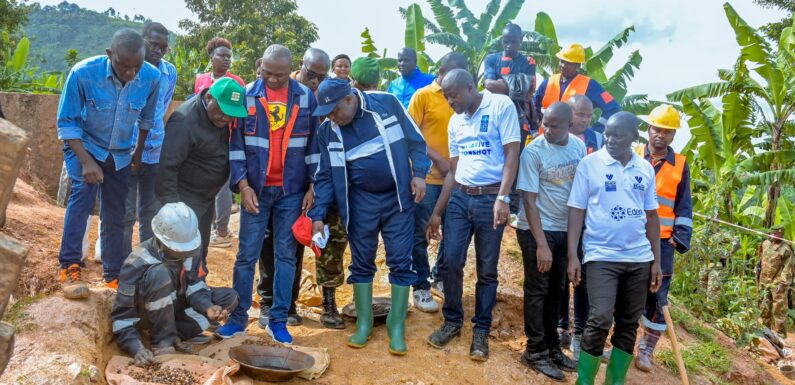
x=277, y=115
x=618, y=213
x=639, y=186
x=476, y=148
x=484, y=123
x=610, y=184
x=560, y=174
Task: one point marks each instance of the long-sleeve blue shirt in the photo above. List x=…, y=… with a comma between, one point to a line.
x=154, y=141
x=404, y=87
x=96, y=108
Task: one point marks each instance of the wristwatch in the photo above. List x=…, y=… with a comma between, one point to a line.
x=504, y=198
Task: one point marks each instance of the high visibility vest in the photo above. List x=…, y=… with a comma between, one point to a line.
x=667, y=180
x=552, y=94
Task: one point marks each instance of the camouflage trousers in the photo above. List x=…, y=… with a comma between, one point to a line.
x=328, y=266
x=774, y=307
x=711, y=279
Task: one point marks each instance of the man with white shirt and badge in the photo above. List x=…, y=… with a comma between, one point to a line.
x=483, y=138
x=614, y=194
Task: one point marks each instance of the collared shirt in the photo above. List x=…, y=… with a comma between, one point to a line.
x=615, y=199
x=477, y=140
x=97, y=109
x=404, y=87
x=432, y=113
x=548, y=170
x=154, y=141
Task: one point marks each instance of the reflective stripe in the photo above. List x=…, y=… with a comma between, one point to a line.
x=666, y=222
x=654, y=326
x=122, y=324
x=394, y=133
x=237, y=155
x=303, y=101
x=389, y=120
x=602, y=121
x=297, y=142
x=337, y=158
x=148, y=258
x=370, y=147
x=196, y=287
x=188, y=264
x=665, y=201
x=162, y=302
x=257, y=142
x=312, y=159
x=683, y=221
x=335, y=145
x=200, y=319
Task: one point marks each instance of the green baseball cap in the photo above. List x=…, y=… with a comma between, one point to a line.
x=365, y=70
x=231, y=97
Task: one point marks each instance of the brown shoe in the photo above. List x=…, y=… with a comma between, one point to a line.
x=72, y=283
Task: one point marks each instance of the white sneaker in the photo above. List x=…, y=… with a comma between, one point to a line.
x=424, y=301
x=219, y=241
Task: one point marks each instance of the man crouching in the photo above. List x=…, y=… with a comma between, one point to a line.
x=159, y=284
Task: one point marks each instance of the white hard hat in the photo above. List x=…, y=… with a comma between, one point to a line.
x=176, y=226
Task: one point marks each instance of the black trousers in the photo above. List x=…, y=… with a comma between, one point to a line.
x=543, y=291
x=616, y=290
x=205, y=211
x=267, y=271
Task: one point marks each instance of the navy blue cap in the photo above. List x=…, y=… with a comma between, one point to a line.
x=329, y=93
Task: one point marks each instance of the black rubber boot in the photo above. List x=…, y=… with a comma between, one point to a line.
x=330, y=318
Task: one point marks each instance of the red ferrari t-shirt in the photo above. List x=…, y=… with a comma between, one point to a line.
x=277, y=116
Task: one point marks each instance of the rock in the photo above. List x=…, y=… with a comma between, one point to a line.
x=13, y=146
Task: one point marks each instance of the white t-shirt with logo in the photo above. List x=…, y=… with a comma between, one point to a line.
x=615, y=198
x=477, y=140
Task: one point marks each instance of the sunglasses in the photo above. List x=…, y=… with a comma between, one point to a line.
x=311, y=75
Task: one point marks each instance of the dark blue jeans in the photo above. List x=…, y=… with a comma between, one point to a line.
x=653, y=314
x=112, y=195
x=284, y=209
x=422, y=215
x=141, y=205
x=468, y=216
x=372, y=214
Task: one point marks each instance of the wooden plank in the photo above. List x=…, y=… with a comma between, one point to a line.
x=13, y=146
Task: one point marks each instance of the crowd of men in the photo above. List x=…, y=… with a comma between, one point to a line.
x=327, y=162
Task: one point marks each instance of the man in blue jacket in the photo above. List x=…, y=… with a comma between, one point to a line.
x=273, y=156
x=411, y=78
x=373, y=164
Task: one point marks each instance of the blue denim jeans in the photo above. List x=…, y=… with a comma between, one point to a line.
x=284, y=210
x=141, y=205
x=422, y=215
x=468, y=216
x=112, y=195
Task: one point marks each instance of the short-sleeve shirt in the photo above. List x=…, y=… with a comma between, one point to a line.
x=477, y=140
x=615, y=198
x=432, y=113
x=548, y=170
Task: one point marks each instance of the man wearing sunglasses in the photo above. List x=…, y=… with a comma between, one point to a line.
x=314, y=68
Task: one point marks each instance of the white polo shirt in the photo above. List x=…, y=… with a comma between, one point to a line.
x=477, y=140
x=616, y=199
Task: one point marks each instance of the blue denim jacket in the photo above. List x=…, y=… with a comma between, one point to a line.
x=168, y=80
x=97, y=109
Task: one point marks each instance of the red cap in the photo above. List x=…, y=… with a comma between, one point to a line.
x=302, y=231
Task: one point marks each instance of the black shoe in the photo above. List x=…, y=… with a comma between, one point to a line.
x=330, y=318
x=541, y=363
x=442, y=336
x=479, y=350
x=562, y=361
x=565, y=338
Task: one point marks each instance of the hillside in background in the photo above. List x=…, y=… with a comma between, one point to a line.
x=54, y=30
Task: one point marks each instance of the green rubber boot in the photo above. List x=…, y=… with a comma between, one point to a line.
x=363, y=298
x=587, y=367
x=396, y=320
x=617, y=367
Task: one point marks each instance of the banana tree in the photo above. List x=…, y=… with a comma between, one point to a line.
x=475, y=37
x=770, y=95
x=387, y=65
x=542, y=44
x=16, y=75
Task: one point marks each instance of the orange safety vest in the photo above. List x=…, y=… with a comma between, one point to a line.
x=667, y=180
x=578, y=86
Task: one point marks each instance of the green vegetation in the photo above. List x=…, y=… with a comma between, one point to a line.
x=702, y=357
x=17, y=316
x=16, y=74
x=54, y=30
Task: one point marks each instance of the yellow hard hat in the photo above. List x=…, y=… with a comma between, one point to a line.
x=574, y=53
x=664, y=116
